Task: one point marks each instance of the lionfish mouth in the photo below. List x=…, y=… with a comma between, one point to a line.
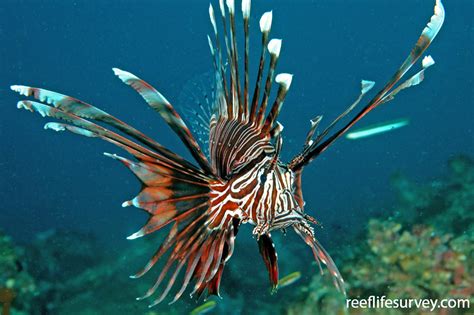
x=241, y=178
x=291, y=217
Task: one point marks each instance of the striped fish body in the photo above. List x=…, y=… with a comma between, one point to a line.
x=257, y=190
x=259, y=196
x=242, y=179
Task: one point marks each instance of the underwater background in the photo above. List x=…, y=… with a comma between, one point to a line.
x=397, y=209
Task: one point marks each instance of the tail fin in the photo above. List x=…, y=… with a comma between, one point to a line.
x=174, y=191
x=386, y=94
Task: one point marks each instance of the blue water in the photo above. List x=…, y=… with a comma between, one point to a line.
x=51, y=180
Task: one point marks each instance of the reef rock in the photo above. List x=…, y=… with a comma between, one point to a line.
x=17, y=286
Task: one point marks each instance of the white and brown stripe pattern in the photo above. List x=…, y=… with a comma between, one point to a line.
x=243, y=181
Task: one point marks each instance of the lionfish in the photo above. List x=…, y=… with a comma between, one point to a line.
x=241, y=179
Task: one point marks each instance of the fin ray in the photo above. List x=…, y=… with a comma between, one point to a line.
x=68, y=104
x=427, y=36
x=160, y=104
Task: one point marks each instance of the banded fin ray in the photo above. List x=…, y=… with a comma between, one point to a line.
x=274, y=48
x=284, y=80
x=388, y=91
x=241, y=132
x=159, y=103
x=82, y=109
x=92, y=129
x=366, y=86
x=320, y=255
x=222, y=91
x=171, y=194
x=246, y=5
x=265, y=27
x=237, y=103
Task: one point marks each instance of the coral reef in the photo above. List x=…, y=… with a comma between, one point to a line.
x=55, y=258
x=6, y=298
x=424, y=250
x=67, y=252
x=447, y=203
x=76, y=275
x=397, y=263
x=412, y=263
x=17, y=286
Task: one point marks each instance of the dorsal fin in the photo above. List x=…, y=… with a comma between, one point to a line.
x=265, y=27
x=242, y=115
x=238, y=104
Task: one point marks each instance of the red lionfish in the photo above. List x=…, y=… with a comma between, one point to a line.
x=242, y=179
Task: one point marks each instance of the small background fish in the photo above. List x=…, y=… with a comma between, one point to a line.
x=204, y=308
x=289, y=279
x=375, y=129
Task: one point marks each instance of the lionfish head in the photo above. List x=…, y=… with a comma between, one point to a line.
x=281, y=203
